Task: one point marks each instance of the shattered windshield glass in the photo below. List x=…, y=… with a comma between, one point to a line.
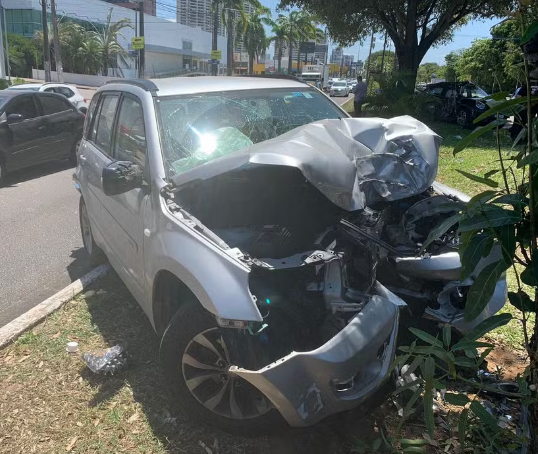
x=199, y=128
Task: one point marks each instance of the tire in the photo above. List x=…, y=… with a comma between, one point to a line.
x=196, y=392
x=94, y=252
x=2, y=171
x=463, y=118
x=74, y=149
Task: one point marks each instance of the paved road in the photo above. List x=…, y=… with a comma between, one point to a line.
x=40, y=244
x=341, y=100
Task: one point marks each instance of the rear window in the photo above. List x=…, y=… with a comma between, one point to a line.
x=199, y=128
x=340, y=84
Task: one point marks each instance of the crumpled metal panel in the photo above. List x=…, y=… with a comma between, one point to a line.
x=354, y=162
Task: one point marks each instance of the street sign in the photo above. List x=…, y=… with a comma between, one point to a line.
x=216, y=54
x=307, y=48
x=212, y=60
x=137, y=43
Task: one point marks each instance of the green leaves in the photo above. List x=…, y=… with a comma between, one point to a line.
x=520, y=300
x=483, y=415
x=470, y=345
x=447, y=334
x=483, y=288
x=464, y=143
x=428, y=338
x=489, y=217
x=462, y=426
x=483, y=180
x=529, y=33
x=502, y=107
x=486, y=326
x=441, y=229
x=531, y=158
x=473, y=253
x=457, y=399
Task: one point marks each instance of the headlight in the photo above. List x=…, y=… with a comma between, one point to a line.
x=480, y=105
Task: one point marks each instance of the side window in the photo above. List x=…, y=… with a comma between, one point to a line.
x=89, y=117
x=68, y=93
x=130, y=142
x=102, y=126
x=52, y=105
x=49, y=90
x=25, y=106
x=435, y=90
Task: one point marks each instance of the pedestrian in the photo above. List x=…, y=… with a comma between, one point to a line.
x=360, y=95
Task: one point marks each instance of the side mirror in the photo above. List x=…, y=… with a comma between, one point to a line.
x=14, y=118
x=121, y=176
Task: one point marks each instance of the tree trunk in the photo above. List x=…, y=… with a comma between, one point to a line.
x=250, y=63
x=409, y=59
x=279, y=58
x=230, y=45
x=290, y=50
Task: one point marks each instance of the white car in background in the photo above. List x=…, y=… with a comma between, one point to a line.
x=339, y=88
x=69, y=91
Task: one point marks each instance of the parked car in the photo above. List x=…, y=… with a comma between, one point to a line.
x=270, y=239
x=456, y=101
x=339, y=88
x=69, y=91
x=36, y=127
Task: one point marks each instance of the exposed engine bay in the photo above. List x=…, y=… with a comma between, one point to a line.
x=315, y=265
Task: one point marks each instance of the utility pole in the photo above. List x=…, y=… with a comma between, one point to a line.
x=3, y=60
x=8, y=66
x=342, y=62
x=215, y=44
x=46, y=47
x=383, y=54
x=56, y=38
x=290, y=50
x=142, y=58
x=372, y=45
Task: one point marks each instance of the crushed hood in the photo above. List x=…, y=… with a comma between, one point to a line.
x=354, y=162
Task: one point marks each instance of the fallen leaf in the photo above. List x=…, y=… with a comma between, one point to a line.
x=80, y=379
x=96, y=422
x=135, y=432
x=24, y=358
x=79, y=424
x=56, y=336
x=71, y=444
x=40, y=365
x=133, y=418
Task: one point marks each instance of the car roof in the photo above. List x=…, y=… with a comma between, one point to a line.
x=29, y=85
x=207, y=84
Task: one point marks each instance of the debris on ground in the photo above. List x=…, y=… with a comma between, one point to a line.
x=107, y=361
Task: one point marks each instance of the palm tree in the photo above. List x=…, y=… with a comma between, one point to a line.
x=254, y=37
x=233, y=13
x=108, y=41
x=301, y=27
x=280, y=36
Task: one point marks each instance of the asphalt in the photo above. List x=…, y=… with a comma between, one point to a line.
x=40, y=243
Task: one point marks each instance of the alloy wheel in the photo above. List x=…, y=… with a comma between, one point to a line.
x=205, y=364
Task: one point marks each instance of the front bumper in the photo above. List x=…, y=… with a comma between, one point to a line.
x=306, y=387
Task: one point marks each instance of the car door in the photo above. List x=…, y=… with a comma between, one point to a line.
x=23, y=142
x=125, y=212
x=61, y=122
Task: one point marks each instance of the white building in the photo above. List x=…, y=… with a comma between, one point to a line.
x=171, y=48
x=198, y=14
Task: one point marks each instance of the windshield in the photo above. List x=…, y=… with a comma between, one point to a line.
x=196, y=129
x=472, y=91
x=340, y=84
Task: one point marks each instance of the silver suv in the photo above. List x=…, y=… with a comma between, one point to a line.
x=262, y=231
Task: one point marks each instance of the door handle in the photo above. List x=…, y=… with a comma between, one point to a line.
x=82, y=157
x=42, y=128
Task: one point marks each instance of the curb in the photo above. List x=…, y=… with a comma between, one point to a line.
x=24, y=322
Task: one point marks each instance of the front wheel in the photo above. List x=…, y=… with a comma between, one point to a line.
x=94, y=252
x=463, y=118
x=196, y=362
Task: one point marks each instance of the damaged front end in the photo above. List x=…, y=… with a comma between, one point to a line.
x=330, y=220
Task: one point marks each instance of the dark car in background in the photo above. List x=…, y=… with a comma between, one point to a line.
x=461, y=102
x=36, y=127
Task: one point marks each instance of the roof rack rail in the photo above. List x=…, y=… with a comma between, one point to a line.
x=276, y=76
x=145, y=84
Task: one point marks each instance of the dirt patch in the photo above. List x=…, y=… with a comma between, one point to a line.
x=509, y=362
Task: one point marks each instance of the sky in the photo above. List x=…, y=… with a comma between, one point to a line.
x=463, y=37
